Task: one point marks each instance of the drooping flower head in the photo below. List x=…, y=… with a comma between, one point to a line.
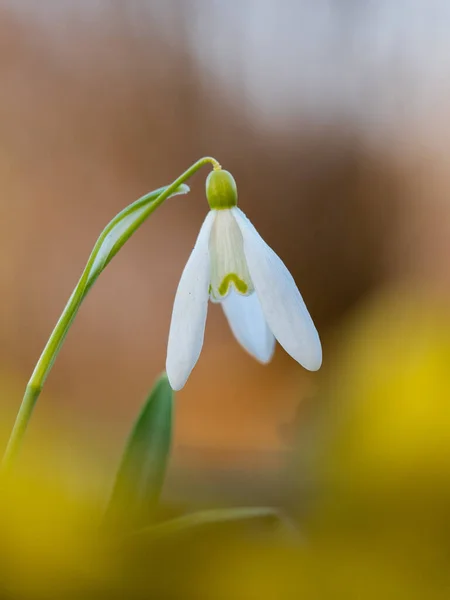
x=233, y=266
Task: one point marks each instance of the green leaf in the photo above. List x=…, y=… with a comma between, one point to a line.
x=112, y=238
x=226, y=516
x=120, y=229
x=141, y=474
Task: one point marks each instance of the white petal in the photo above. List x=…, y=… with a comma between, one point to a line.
x=189, y=311
x=247, y=322
x=228, y=265
x=281, y=302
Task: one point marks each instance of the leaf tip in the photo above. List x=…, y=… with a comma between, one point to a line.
x=182, y=189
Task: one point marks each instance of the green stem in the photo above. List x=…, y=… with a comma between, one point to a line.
x=85, y=283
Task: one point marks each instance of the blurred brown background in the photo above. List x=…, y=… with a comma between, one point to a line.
x=333, y=117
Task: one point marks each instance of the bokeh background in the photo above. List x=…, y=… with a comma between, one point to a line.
x=333, y=117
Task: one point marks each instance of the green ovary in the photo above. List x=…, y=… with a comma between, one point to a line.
x=240, y=285
x=221, y=190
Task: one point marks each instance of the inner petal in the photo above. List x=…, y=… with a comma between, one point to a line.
x=228, y=263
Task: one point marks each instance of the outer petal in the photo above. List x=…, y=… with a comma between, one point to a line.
x=281, y=302
x=189, y=311
x=247, y=322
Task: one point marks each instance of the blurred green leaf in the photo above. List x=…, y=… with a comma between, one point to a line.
x=141, y=474
x=266, y=516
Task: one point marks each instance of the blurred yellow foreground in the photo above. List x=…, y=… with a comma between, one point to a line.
x=377, y=519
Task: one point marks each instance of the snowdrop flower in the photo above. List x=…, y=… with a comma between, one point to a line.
x=233, y=266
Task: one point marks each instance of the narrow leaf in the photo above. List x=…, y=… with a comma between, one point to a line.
x=120, y=229
x=227, y=516
x=141, y=474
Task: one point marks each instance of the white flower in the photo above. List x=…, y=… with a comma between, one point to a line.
x=232, y=265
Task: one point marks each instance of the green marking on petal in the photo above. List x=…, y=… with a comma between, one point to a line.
x=240, y=285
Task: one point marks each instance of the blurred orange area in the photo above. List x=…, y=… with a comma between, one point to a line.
x=104, y=101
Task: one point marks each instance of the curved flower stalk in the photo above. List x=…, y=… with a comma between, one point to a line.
x=232, y=265
x=111, y=240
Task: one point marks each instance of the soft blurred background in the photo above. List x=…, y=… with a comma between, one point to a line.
x=333, y=117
